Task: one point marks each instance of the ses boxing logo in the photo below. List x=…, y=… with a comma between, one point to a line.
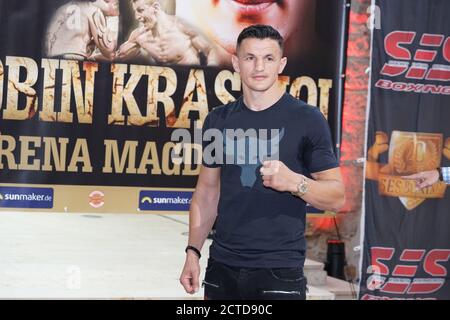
x=164, y=200
x=408, y=153
x=411, y=273
x=17, y=197
x=422, y=58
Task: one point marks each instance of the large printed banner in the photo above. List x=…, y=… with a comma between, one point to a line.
x=406, y=231
x=91, y=92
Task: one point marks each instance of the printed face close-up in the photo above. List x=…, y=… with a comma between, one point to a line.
x=223, y=20
x=145, y=12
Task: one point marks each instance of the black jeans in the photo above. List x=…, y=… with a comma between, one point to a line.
x=224, y=282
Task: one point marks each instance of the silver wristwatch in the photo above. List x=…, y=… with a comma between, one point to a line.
x=302, y=188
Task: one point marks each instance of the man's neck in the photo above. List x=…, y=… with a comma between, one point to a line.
x=261, y=100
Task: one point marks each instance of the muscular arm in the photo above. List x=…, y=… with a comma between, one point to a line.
x=203, y=210
x=102, y=36
x=130, y=48
x=127, y=50
x=202, y=44
x=214, y=57
x=326, y=189
x=199, y=42
x=202, y=215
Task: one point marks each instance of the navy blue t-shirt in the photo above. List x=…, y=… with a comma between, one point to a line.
x=256, y=226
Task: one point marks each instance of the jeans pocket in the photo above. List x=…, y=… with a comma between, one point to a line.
x=212, y=283
x=287, y=274
x=284, y=285
x=210, y=265
x=212, y=276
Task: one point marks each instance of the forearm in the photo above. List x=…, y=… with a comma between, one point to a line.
x=104, y=38
x=99, y=57
x=324, y=194
x=107, y=46
x=201, y=45
x=213, y=58
x=127, y=50
x=202, y=215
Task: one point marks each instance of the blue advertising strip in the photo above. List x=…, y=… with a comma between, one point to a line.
x=164, y=200
x=22, y=197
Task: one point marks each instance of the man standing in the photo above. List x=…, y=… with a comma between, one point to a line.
x=164, y=38
x=259, y=247
x=79, y=28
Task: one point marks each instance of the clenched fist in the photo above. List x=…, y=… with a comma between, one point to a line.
x=276, y=175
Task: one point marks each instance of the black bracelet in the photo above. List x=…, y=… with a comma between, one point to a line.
x=197, y=252
x=441, y=177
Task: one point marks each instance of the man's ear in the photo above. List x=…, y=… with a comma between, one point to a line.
x=157, y=6
x=235, y=62
x=283, y=63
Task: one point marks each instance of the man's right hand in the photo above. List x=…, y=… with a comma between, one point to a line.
x=189, y=278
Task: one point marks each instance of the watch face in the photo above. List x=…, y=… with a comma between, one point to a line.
x=303, y=188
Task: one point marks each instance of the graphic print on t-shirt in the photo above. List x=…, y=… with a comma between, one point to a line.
x=249, y=149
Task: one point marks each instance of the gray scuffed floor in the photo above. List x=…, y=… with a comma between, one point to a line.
x=118, y=256
x=108, y=256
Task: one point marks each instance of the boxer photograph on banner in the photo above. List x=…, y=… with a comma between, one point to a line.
x=79, y=30
x=165, y=39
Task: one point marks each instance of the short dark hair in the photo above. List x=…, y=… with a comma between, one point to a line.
x=260, y=31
